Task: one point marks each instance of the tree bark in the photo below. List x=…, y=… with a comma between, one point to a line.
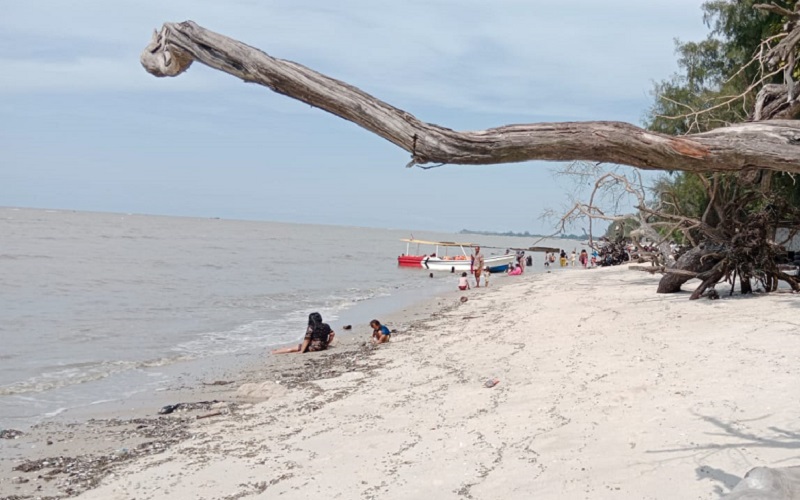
x=710, y=278
x=774, y=102
x=770, y=145
x=696, y=261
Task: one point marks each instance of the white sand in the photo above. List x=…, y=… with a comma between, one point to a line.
x=607, y=390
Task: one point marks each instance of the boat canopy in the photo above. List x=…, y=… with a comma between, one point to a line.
x=440, y=243
x=525, y=249
x=472, y=245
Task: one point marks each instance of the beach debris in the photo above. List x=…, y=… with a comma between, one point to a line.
x=464, y=299
x=165, y=410
x=10, y=434
x=491, y=383
x=200, y=405
x=347, y=327
x=72, y=475
x=207, y=415
x=712, y=294
x=219, y=382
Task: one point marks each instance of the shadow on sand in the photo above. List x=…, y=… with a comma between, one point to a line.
x=734, y=438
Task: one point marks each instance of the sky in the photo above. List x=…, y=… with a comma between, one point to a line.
x=84, y=127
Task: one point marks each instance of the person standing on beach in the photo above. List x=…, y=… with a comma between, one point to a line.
x=318, y=336
x=584, y=258
x=476, y=266
x=572, y=258
x=486, y=273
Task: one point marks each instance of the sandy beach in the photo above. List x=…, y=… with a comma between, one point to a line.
x=606, y=390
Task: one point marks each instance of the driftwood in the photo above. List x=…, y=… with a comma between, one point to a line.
x=743, y=250
x=770, y=145
x=665, y=270
x=785, y=53
x=690, y=265
x=648, y=269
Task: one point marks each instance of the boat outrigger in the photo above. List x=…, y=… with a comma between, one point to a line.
x=459, y=262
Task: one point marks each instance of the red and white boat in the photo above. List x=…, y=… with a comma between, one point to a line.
x=458, y=262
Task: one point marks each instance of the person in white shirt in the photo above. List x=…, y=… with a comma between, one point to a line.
x=463, y=282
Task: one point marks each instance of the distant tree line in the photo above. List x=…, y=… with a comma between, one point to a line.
x=524, y=234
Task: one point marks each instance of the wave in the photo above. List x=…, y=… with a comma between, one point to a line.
x=81, y=373
x=287, y=327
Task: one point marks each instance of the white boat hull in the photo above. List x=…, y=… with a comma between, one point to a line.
x=497, y=263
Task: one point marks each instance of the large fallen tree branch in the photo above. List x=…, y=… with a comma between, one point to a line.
x=771, y=145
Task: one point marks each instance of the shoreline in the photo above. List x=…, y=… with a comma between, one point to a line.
x=606, y=390
x=94, y=440
x=175, y=379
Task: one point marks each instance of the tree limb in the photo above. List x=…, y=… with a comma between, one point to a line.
x=777, y=9
x=771, y=145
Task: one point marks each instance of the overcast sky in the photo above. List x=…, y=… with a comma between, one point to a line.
x=83, y=127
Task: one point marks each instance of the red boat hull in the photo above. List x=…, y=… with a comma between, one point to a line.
x=410, y=260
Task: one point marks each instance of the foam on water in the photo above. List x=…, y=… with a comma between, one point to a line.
x=83, y=372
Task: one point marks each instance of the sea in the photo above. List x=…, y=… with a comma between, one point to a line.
x=100, y=307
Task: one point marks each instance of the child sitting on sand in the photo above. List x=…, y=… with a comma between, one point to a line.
x=463, y=283
x=380, y=333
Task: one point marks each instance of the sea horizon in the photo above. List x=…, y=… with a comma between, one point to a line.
x=498, y=232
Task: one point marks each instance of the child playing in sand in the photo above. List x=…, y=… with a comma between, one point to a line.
x=380, y=333
x=463, y=283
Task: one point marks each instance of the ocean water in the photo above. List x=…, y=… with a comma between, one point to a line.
x=97, y=306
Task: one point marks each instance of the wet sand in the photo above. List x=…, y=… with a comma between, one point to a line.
x=606, y=390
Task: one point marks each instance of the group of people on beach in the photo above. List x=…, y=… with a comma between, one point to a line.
x=570, y=260
x=518, y=267
x=319, y=336
x=479, y=268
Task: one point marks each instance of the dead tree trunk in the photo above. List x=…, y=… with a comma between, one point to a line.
x=696, y=261
x=709, y=279
x=772, y=145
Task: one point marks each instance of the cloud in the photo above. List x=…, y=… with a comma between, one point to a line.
x=89, y=74
x=502, y=57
